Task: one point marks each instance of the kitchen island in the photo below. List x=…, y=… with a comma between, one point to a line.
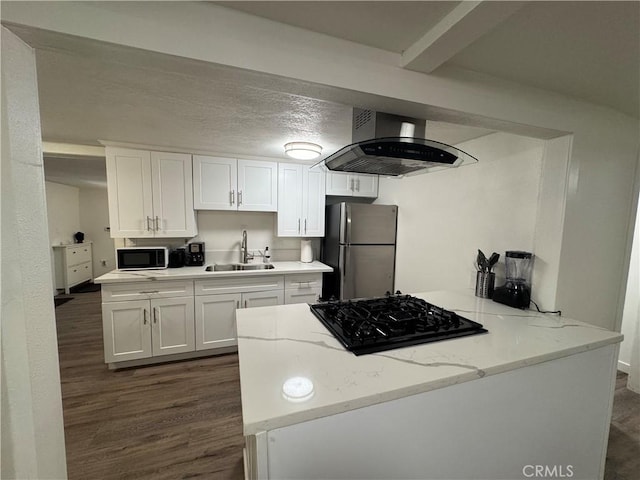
x=534, y=394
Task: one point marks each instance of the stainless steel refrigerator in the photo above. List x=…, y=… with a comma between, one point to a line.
x=360, y=245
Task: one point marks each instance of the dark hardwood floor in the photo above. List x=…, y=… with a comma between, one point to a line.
x=170, y=421
x=183, y=420
x=623, y=454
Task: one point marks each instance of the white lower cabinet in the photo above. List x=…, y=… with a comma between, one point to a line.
x=146, y=321
x=218, y=299
x=303, y=288
x=147, y=328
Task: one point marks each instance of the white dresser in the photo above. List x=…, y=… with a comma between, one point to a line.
x=73, y=264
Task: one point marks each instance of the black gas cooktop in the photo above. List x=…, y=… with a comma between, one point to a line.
x=379, y=324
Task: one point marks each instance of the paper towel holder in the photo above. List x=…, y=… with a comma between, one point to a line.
x=306, y=251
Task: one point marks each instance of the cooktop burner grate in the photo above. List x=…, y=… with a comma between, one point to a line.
x=394, y=321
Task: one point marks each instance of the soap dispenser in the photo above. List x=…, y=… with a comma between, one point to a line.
x=267, y=255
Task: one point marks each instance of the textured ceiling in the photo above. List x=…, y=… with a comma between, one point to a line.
x=391, y=26
x=588, y=49
x=92, y=91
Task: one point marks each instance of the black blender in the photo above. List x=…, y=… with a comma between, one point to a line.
x=516, y=292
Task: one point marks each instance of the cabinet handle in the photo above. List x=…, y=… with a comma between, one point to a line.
x=144, y=316
x=239, y=197
x=238, y=304
x=298, y=225
x=245, y=304
x=148, y=224
x=305, y=225
x=358, y=185
x=351, y=182
x=232, y=197
x=155, y=315
x=157, y=224
x=149, y=291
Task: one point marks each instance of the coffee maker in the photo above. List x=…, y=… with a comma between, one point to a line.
x=195, y=254
x=516, y=292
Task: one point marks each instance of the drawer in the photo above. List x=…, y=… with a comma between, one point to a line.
x=78, y=255
x=122, y=292
x=239, y=284
x=302, y=296
x=78, y=273
x=303, y=281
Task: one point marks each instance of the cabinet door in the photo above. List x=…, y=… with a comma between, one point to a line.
x=365, y=185
x=130, y=193
x=215, y=320
x=126, y=330
x=173, y=326
x=313, y=202
x=289, y=200
x=263, y=299
x=214, y=183
x=340, y=184
x=172, y=186
x=257, y=186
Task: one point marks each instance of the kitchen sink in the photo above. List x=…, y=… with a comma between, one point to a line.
x=232, y=267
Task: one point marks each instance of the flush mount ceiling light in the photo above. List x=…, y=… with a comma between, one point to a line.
x=302, y=150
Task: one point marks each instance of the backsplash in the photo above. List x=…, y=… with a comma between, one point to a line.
x=222, y=234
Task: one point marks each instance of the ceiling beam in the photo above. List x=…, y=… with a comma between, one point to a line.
x=465, y=23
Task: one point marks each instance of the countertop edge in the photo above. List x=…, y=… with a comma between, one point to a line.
x=280, y=268
x=320, y=412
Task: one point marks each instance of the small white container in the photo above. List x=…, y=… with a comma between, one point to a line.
x=306, y=251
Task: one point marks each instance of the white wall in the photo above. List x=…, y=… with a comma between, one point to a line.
x=94, y=217
x=444, y=217
x=63, y=212
x=32, y=426
x=631, y=313
x=63, y=215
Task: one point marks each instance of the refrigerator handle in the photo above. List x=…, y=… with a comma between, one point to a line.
x=345, y=226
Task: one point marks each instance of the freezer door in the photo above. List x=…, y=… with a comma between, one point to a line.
x=368, y=224
x=366, y=270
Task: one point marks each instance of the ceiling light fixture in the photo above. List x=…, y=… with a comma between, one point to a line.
x=302, y=150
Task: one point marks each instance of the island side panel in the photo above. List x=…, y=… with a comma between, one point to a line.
x=555, y=414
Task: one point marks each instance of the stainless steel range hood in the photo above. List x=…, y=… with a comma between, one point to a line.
x=384, y=144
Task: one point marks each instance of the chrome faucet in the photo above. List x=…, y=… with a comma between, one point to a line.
x=244, y=254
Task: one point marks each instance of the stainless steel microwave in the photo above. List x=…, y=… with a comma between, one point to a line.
x=142, y=258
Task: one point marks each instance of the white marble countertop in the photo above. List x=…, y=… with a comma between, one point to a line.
x=185, y=273
x=279, y=343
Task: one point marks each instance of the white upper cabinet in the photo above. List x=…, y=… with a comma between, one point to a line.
x=301, y=192
x=234, y=184
x=352, y=184
x=150, y=194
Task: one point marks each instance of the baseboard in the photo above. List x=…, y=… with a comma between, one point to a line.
x=623, y=367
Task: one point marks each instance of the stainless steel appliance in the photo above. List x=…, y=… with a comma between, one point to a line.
x=195, y=254
x=360, y=245
x=394, y=321
x=516, y=292
x=177, y=258
x=142, y=258
x=385, y=144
